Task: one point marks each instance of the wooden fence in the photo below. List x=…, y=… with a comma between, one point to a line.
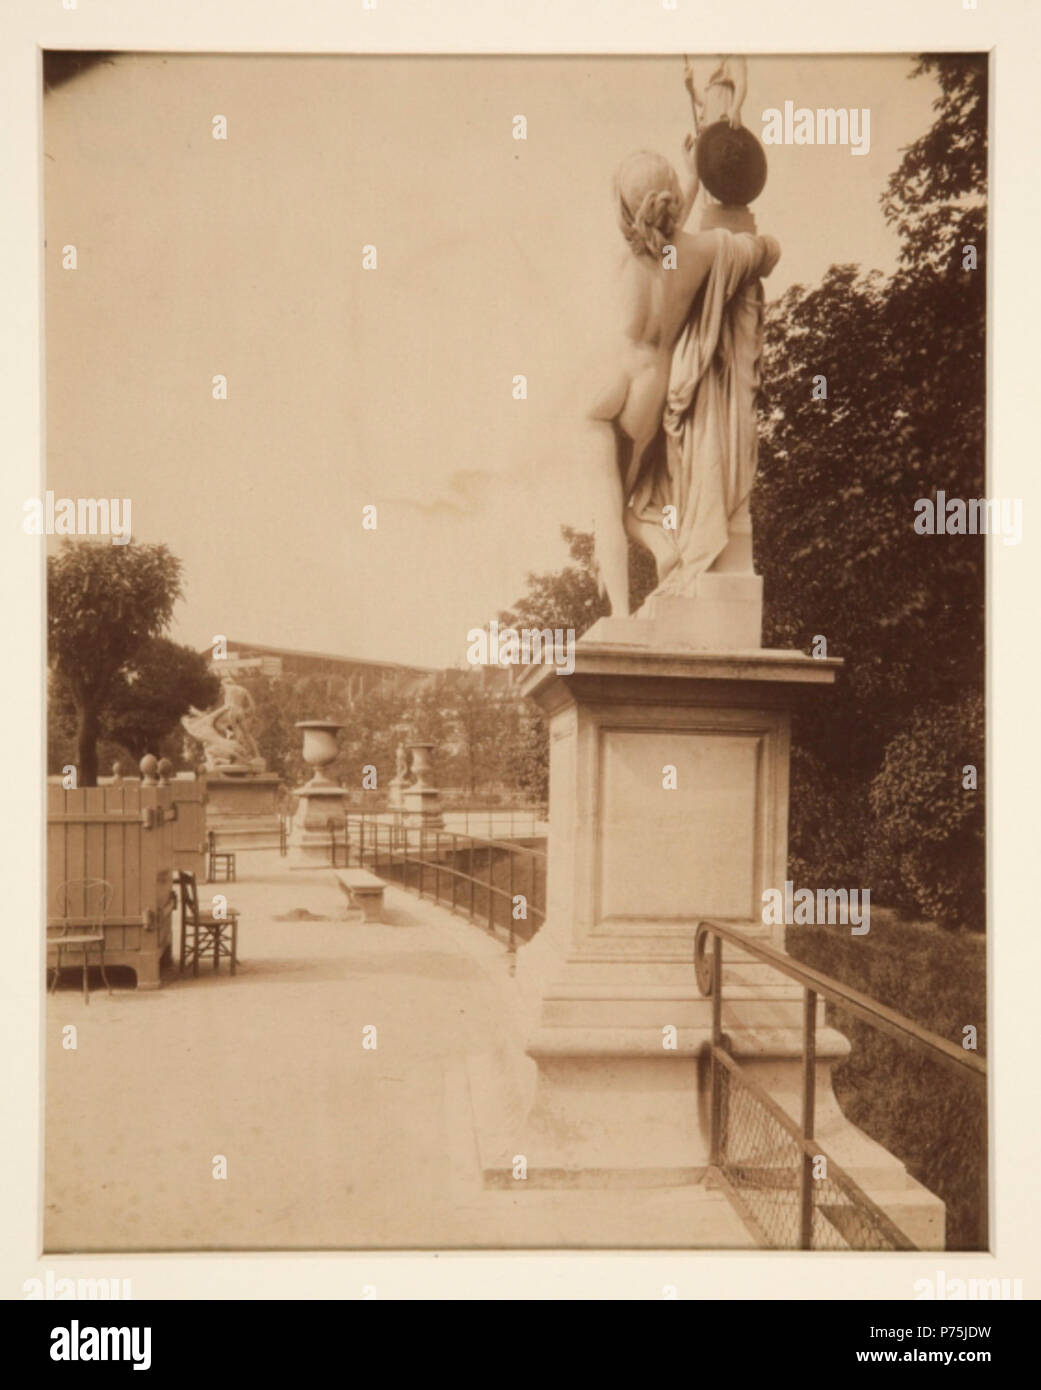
x=189, y=827
x=125, y=835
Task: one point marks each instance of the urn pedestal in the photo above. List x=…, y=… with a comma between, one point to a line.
x=420, y=800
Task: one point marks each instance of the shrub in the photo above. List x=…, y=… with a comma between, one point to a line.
x=934, y=1121
x=828, y=824
x=929, y=827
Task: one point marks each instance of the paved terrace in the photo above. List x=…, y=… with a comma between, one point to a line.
x=328, y=1146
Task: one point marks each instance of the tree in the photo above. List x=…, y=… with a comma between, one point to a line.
x=481, y=717
x=937, y=196
x=570, y=598
x=103, y=602
x=153, y=690
x=904, y=359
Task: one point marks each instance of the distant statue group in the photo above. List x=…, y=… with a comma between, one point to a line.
x=674, y=409
x=224, y=731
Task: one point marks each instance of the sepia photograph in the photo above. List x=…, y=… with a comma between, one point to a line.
x=516, y=749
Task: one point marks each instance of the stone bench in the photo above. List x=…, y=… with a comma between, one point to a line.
x=364, y=890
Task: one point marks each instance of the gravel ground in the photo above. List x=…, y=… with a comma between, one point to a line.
x=328, y=1145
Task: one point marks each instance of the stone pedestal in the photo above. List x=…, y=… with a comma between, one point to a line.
x=421, y=808
x=318, y=801
x=421, y=799
x=669, y=803
x=720, y=610
x=243, y=809
x=726, y=615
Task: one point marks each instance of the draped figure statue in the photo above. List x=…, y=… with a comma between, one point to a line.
x=674, y=413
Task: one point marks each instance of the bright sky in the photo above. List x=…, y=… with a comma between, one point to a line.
x=391, y=387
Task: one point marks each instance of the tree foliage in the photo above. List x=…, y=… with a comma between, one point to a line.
x=571, y=598
x=904, y=418
x=153, y=690
x=104, y=602
x=929, y=814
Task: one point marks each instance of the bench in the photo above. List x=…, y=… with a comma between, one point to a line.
x=364, y=890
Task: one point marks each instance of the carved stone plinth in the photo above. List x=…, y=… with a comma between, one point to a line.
x=243, y=810
x=669, y=803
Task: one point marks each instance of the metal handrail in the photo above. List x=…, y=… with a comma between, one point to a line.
x=861, y=1005
x=709, y=972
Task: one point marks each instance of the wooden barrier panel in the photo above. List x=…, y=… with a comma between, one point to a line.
x=189, y=827
x=124, y=835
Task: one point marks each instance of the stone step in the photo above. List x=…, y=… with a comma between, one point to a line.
x=692, y=1010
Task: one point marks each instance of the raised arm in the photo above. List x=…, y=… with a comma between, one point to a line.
x=737, y=70
x=691, y=183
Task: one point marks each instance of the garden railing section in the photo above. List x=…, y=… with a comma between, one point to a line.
x=497, y=884
x=769, y=1164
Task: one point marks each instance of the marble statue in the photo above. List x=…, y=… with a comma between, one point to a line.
x=673, y=412
x=402, y=774
x=403, y=778
x=224, y=730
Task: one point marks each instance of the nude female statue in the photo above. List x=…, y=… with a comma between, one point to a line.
x=658, y=284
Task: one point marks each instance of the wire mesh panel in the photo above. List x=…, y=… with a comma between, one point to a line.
x=760, y=1160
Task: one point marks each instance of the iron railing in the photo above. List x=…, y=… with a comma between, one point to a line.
x=447, y=866
x=769, y=1164
x=512, y=822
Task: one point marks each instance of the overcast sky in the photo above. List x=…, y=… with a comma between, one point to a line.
x=391, y=387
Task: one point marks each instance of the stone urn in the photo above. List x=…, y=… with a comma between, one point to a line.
x=319, y=800
x=320, y=747
x=421, y=799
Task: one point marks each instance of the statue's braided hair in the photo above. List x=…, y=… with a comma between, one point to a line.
x=649, y=202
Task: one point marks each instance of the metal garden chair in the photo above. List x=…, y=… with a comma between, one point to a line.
x=80, y=925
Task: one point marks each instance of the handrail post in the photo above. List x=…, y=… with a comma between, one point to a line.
x=716, y=1138
x=809, y=1083
x=509, y=905
x=437, y=866
x=532, y=905
x=455, y=870
x=491, y=900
